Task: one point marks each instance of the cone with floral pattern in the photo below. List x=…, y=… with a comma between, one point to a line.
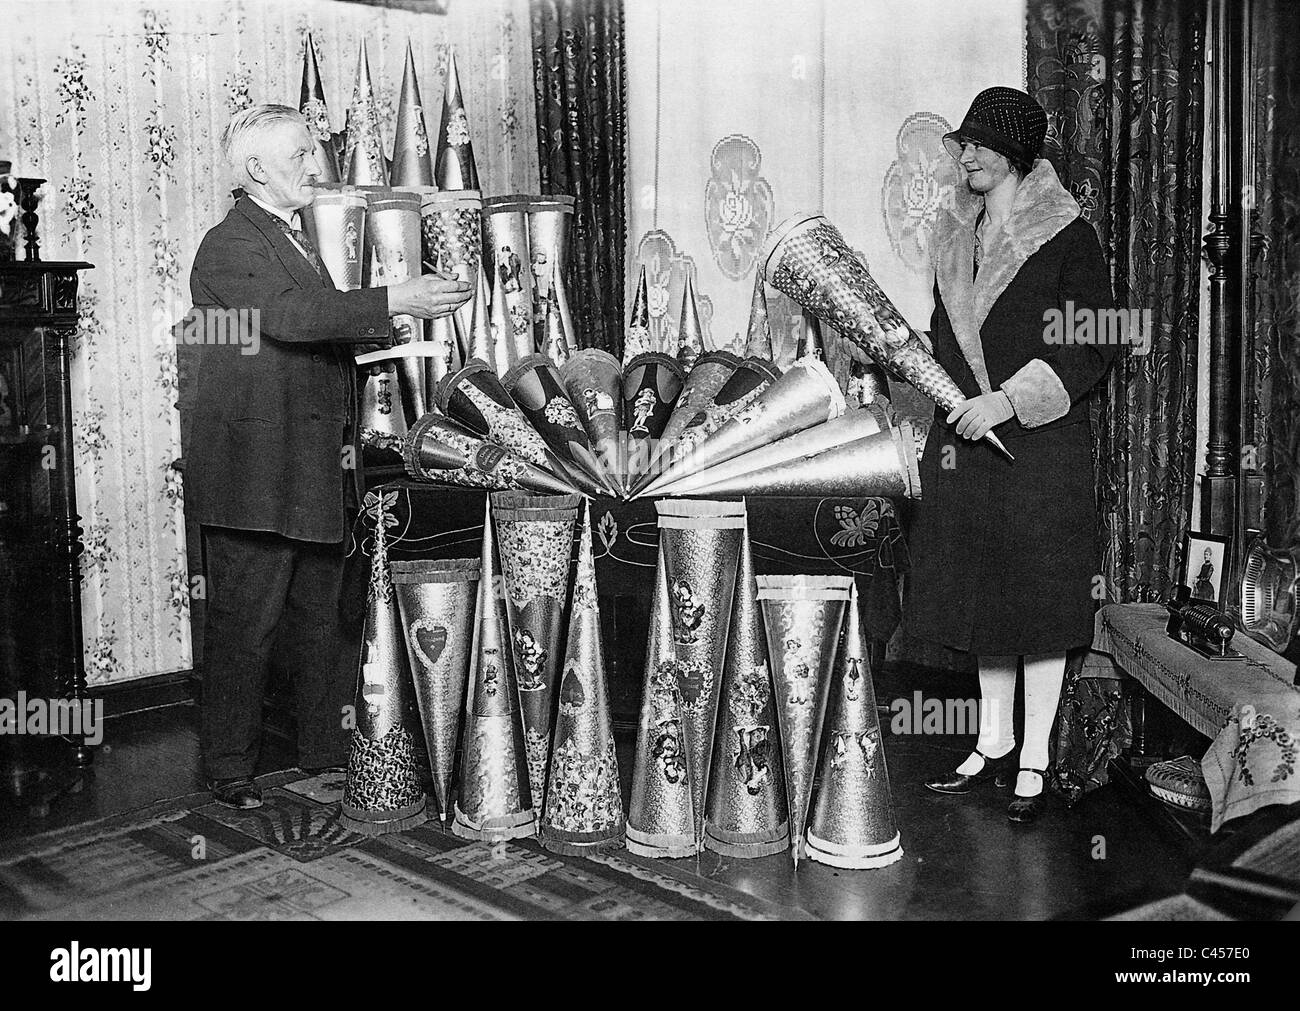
x=853, y=822
x=746, y=809
x=535, y=534
x=594, y=381
x=311, y=103
x=507, y=255
x=661, y=820
x=536, y=387
x=493, y=801
x=454, y=167
x=382, y=792
x=363, y=156
x=636, y=338
x=444, y=451
x=584, y=805
x=758, y=339
x=436, y=598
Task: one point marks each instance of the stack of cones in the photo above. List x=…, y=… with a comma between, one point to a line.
x=704, y=382
x=436, y=599
x=382, y=793
x=584, y=808
x=439, y=449
x=536, y=538
x=747, y=815
x=493, y=802
x=853, y=819
x=802, y=616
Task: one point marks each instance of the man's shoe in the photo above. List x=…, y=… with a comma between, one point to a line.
x=241, y=794
x=957, y=783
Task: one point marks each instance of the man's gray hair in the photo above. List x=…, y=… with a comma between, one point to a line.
x=246, y=129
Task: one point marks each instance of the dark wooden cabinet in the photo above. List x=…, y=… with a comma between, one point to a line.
x=40, y=530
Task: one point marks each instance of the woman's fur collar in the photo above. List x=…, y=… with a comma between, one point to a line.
x=1042, y=208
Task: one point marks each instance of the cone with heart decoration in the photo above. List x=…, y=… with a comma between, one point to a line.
x=493, y=801
x=853, y=822
x=584, y=806
x=436, y=599
x=382, y=792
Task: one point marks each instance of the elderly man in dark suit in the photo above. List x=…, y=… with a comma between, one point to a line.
x=273, y=462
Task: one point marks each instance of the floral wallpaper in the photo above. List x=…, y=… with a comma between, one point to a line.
x=120, y=106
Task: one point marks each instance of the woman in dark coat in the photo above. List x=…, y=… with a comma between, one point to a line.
x=1005, y=561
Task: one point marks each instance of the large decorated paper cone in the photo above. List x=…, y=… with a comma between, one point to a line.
x=850, y=427
x=555, y=342
x=475, y=397
x=481, y=344
x=700, y=543
x=548, y=244
x=380, y=412
x=536, y=387
x=505, y=352
x=661, y=820
x=802, y=616
x=336, y=223
x=535, y=534
x=311, y=103
x=412, y=161
x=806, y=395
x=560, y=295
x=382, y=792
x=441, y=334
x=758, y=339
x=505, y=225
x=454, y=167
x=652, y=383
x=881, y=465
x=452, y=224
x=393, y=256
x=363, y=156
x=746, y=809
x=436, y=598
x=594, y=381
x=807, y=258
x=690, y=333
x=584, y=805
x=636, y=338
x=705, y=380
x=852, y=822
x=745, y=385
x=439, y=449
x=493, y=801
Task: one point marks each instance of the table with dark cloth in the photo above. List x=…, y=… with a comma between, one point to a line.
x=860, y=537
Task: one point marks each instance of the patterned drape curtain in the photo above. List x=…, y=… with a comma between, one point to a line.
x=1122, y=82
x=1274, y=353
x=120, y=105
x=578, y=76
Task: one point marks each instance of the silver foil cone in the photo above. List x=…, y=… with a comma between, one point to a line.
x=661, y=820
x=746, y=810
x=504, y=352
x=505, y=222
x=393, y=256
x=852, y=821
x=439, y=449
x=807, y=258
x=493, y=801
x=549, y=220
x=382, y=792
x=436, y=599
x=700, y=543
x=537, y=388
x=758, y=339
x=651, y=384
x=806, y=395
x=381, y=403
x=452, y=223
x=594, y=381
x=412, y=162
x=690, y=333
x=802, y=616
x=336, y=224
x=636, y=339
x=363, y=156
x=584, y=805
x=535, y=534
x=311, y=103
x=704, y=381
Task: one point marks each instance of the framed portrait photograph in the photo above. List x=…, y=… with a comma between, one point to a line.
x=1205, y=557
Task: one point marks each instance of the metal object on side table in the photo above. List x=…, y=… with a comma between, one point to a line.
x=1265, y=608
x=1200, y=627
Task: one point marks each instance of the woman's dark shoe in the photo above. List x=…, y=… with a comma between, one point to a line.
x=957, y=783
x=1023, y=810
x=241, y=794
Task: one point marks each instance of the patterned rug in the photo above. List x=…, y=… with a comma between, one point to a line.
x=192, y=859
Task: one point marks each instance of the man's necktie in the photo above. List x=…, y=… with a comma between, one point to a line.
x=305, y=244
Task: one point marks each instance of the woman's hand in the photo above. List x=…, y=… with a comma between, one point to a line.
x=977, y=416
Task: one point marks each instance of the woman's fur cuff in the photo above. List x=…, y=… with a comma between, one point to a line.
x=1037, y=394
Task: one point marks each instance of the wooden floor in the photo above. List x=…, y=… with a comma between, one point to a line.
x=963, y=859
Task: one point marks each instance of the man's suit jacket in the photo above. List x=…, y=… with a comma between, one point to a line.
x=265, y=446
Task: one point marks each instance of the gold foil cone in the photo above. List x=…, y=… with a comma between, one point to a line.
x=454, y=167
x=493, y=801
x=661, y=821
x=548, y=243
x=481, y=344
x=594, y=380
x=807, y=258
x=439, y=449
x=651, y=384
x=636, y=339
x=412, y=162
x=747, y=814
x=853, y=817
x=802, y=617
x=700, y=543
x=584, y=805
x=382, y=792
x=336, y=224
x=806, y=395
x=535, y=534
x=811, y=342
x=436, y=599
